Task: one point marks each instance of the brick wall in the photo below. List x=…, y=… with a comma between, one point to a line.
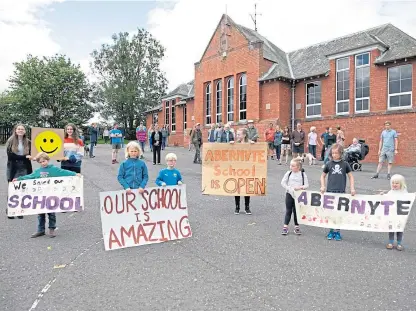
x=364, y=125
x=213, y=66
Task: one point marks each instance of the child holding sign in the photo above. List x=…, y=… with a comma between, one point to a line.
x=242, y=137
x=294, y=179
x=337, y=171
x=169, y=176
x=46, y=170
x=132, y=173
x=398, y=186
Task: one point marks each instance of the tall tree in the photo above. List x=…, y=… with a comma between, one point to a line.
x=130, y=78
x=54, y=83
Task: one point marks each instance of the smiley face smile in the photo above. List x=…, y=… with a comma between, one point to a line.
x=49, y=142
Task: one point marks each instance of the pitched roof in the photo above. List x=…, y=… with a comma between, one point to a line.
x=183, y=90
x=313, y=60
x=270, y=51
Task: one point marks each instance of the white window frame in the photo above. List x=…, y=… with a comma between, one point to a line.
x=167, y=114
x=396, y=94
x=230, y=88
x=336, y=88
x=207, y=106
x=306, y=102
x=184, y=117
x=240, y=85
x=355, y=83
x=218, y=115
x=173, y=112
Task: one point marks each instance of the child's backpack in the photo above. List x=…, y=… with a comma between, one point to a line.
x=303, y=176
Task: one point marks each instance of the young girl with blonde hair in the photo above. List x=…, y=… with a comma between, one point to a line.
x=133, y=173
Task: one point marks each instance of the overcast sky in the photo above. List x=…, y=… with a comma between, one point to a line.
x=184, y=27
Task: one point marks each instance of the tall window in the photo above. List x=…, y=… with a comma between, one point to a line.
x=313, y=99
x=243, y=96
x=173, y=126
x=208, y=95
x=362, y=82
x=184, y=116
x=230, y=99
x=167, y=115
x=343, y=85
x=400, y=87
x=219, y=102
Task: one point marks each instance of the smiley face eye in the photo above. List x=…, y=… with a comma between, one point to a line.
x=51, y=141
x=44, y=140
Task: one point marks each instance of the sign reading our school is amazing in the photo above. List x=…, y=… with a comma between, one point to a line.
x=376, y=213
x=234, y=169
x=131, y=219
x=45, y=195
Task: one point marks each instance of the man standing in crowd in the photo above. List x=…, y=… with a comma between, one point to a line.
x=324, y=142
x=269, y=135
x=196, y=139
x=387, y=149
x=218, y=133
x=93, y=132
x=298, y=140
x=165, y=135
x=227, y=135
x=252, y=132
x=116, y=137
x=211, y=134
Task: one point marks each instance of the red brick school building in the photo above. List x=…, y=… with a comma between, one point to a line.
x=358, y=82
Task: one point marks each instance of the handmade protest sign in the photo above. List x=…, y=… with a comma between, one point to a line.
x=131, y=219
x=45, y=195
x=48, y=140
x=376, y=213
x=234, y=169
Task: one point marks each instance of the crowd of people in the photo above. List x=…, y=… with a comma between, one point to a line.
x=133, y=172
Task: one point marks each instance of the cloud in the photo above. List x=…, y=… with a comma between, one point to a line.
x=186, y=28
x=23, y=32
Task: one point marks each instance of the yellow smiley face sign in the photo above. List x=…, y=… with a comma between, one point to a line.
x=48, y=140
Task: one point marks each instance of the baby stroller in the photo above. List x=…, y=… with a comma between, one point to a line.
x=354, y=158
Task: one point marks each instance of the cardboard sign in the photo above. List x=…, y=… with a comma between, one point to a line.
x=45, y=195
x=376, y=213
x=48, y=140
x=158, y=215
x=234, y=169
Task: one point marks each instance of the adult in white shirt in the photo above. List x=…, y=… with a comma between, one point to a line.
x=312, y=141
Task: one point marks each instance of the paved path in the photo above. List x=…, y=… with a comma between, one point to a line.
x=231, y=262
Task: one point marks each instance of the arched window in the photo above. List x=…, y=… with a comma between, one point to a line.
x=208, y=95
x=219, y=102
x=243, y=96
x=230, y=99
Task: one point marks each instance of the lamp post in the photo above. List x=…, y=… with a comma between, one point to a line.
x=46, y=114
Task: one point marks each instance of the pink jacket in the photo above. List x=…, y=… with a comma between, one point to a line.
x=141, y=135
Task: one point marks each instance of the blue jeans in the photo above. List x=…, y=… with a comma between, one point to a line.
x=142, y=144
x=164, y=142
x=151, y=144
x=92, y=149
x=312, y=150
x=42, y=221
x=278, y=151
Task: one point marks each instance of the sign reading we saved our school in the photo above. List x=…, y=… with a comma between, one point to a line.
x=375, y=213
x=45, y=195
x=234, y=169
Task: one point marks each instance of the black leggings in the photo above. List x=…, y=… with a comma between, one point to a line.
x=246, y=201
x=156, y=153
x=290, y=208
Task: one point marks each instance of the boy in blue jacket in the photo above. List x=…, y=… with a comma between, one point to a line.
x=169, y=176
x=46, y=170
x=133, y=173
